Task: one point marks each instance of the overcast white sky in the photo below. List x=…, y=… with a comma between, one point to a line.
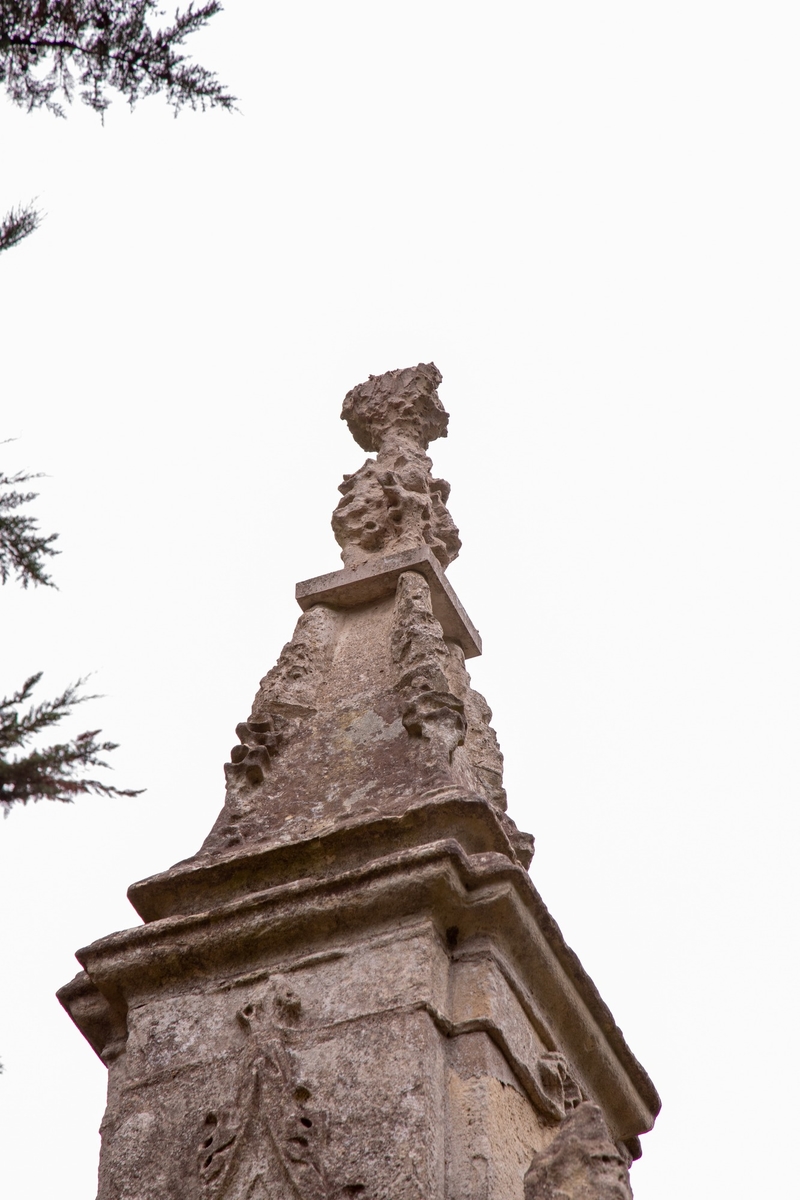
x=587, y=215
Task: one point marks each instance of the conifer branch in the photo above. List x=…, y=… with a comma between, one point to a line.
x=22, y=548
x=51, y=773
x=50, y=47
x=17, y=224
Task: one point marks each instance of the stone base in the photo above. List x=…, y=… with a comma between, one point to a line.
x=406, y=1023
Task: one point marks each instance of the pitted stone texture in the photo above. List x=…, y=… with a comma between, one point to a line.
x=393, y=503
x=420, y=656
x=581, y=1163
x=398, y=404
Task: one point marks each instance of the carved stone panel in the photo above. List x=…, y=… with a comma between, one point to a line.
x=321, y=1081
x=269, y=1141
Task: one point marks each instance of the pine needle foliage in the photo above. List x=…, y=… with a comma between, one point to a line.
x=52, y=773
x=55, y=772
x=17, y=224
x=50, y=48
x=22, y=548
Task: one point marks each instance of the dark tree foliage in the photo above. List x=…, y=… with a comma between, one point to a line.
x=53, y=773
x=22, y=548
x=17, y=224
x=48, y=48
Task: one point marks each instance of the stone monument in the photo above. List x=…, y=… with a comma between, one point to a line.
x=353, y=989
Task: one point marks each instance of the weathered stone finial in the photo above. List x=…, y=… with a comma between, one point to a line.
x=393, y=503
x=402, y=403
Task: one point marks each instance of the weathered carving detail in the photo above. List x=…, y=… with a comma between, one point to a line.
x=439, y=703
x=556, y=1084
x=402, y=403
x=393, y=502
x=581, y=1163
x=287, y=691
x=288, y=1006
x=481, y=748
x=290, y=687
x=260, y=741
x=269, y=1142
x=420, y=655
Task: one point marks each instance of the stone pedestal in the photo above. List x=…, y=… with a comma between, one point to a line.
x=354, y=989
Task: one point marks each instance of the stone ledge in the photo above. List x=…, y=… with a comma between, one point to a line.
x=376, y=579
x=201, y=883
x=481, y=895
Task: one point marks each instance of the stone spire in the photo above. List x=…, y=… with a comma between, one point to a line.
x=353, y=987
x=370, y=703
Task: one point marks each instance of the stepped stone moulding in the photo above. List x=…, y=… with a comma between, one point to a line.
x=353, y=988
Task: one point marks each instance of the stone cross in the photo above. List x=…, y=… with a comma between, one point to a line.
x=353, y=988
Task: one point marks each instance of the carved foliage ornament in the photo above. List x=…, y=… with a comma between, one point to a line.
x=268, y=1143
x=259, y=743
x=419, y=653
x=286, y=692
x=556, y=1089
